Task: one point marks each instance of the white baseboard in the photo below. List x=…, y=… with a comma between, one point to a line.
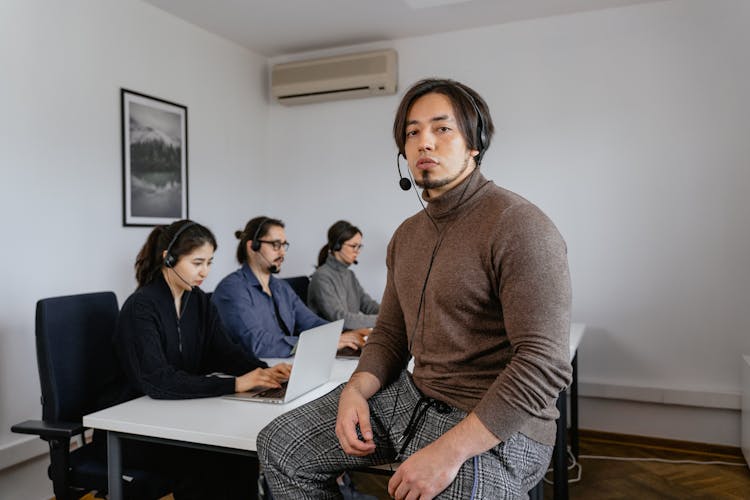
x=687, y=415
x=20, y=450
x=659, y=420
x=681, y=397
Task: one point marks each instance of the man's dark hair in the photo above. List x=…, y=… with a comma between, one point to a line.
x=253, y=226
x=472, y=113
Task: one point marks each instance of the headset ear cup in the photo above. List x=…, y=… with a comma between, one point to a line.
x=339, y=243
x=169, y=259
x=255, y=245
x=481, y=132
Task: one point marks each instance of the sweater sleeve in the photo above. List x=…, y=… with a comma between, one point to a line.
x=139, y=346
x=386, y=353
x=367, y=304
x=325, y=297
x=531, y=262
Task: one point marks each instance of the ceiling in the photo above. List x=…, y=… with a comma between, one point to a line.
x=277, y=27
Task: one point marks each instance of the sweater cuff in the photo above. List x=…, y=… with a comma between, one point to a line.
x=370, y=365
x=228, y=384
x=501, y=420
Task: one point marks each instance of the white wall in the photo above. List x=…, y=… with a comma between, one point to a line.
x=63, y=64
x=629, y=128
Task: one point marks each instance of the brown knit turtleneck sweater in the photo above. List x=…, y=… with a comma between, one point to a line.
x=491, y=333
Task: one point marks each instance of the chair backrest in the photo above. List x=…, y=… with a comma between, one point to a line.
x=74, y=350
x=300, y=285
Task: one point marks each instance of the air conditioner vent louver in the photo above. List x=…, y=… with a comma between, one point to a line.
x=340, y=77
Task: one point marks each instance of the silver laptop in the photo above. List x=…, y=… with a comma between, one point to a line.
x=313, y=360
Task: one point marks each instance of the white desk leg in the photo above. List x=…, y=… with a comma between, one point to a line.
x=114, y=466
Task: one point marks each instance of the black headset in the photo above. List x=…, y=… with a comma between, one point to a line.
x=339, y=239
x=169, y=259
x=255, y=245
x=481, y=135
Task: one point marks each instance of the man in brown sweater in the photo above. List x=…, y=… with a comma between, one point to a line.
x=478, y=293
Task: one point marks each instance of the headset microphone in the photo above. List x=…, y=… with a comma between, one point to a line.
x=272, y=268
x=183, y=279
x=403, y=182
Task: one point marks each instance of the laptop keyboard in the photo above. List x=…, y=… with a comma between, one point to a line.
x=274, y=392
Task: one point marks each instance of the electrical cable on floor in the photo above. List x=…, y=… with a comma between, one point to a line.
x=573, y=463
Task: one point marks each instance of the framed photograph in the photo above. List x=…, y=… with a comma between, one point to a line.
x=154, y=160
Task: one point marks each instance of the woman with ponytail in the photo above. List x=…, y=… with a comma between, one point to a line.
x=335, y=292
x=171, y=343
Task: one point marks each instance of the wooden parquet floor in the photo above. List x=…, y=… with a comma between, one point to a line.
x=620, y=480
x=609, y=479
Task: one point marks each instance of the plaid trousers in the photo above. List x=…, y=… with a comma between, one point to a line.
x=301, y=457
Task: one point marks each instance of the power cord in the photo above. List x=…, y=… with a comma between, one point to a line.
x=574, y=464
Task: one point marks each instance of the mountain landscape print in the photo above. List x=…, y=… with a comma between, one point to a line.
x=155, y=163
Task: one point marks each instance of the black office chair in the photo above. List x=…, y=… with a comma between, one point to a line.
x=299, y=284
x=76, y=361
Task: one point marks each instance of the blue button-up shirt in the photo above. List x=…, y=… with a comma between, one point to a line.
x=249, y=316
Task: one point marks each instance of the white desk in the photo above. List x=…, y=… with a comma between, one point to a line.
x=213, y=423
x=217, y=424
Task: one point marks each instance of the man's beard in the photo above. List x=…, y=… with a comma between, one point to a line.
x=426, y=183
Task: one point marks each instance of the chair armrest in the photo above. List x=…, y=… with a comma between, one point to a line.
x=49, y=430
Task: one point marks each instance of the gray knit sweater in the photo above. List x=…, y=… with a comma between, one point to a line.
x=335, y=293
x=491, y=333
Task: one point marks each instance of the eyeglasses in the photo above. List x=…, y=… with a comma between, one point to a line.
x=354, y=246
x=276, y=244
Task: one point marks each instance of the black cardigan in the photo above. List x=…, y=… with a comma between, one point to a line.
x=148, y=338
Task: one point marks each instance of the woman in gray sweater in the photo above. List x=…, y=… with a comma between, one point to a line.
x=335, y=292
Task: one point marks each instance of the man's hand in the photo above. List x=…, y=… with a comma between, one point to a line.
x=263, y=378
x=433, y=468
x=354, y=415
x=353, y=338
x=424, y=474
x=280, y=372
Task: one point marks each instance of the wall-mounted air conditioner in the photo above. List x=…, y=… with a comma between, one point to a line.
x=340, y=77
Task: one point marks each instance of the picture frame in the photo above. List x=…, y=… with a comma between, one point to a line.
x=154, y=160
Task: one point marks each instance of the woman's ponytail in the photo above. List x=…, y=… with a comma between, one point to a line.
x=148, y=262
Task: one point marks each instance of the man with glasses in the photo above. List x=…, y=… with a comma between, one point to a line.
x=261, y=312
